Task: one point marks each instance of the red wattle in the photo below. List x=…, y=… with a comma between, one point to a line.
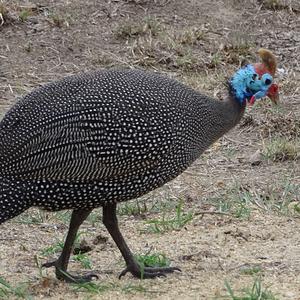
x=251, y=101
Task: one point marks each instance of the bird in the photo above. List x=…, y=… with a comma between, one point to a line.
x=104, y=137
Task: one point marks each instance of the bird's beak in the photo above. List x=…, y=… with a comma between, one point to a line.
x=274, y=98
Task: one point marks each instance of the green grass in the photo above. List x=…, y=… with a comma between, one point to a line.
x=57, y=20
x=84, y=260
x=58, y=247
x=255, y=292
x=32, y=216
x=130, y=29
x=153, y=260
x=52, y=249
x=147, y=205
x=168, y=223
x=24, y=15
x=251, y=270
x=236, y=202
x=7, y=291
x=93, y=288
x=281, y=197
x=282, y=149
x=275, y=5
x=136, y=208
x=191, y=36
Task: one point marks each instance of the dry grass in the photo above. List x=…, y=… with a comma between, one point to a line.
x=236, y=215
x=282, y=149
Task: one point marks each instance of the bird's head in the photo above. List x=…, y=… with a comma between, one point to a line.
x=255, y=81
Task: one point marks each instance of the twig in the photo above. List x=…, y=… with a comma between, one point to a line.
x=1, y=19
x=235, y=142
x=207, y=212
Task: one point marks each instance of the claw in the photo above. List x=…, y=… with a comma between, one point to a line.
x=67, y=277
x=123, y=273
x=162, y=269
x=148, y=272
x=80, y=279
x=49, y=264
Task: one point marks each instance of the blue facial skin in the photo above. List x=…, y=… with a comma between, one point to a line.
x=246, y=83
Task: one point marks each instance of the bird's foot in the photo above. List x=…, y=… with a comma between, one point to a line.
x=147, y=272
x=66, y=276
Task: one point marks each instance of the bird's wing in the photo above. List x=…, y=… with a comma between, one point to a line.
x=87, y=145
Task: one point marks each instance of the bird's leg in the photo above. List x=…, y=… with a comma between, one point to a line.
x=111, y=223
x=61, y=264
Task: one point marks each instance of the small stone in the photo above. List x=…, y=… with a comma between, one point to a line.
x=256, y=158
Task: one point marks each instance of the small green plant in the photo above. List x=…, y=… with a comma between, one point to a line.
x=186, y=61
x=174, y=223
x=272, y=4
x=58, y=246
x=93, y=288
x=215, y=61
x=131, y=29
x=191, y=36
x=32, y=216
x=133, y=208
x=256, y=292
x=7, y=291
x=62, y=216
x=55, y=248
x=97, y=288
x=153, y=260
x=281, y=197
x=24, y=15
x=282, y=149
x=131, y=288
x=236, y=202
x=251, y=270
x=84, y=260
x=94, y=217
x=57, y=20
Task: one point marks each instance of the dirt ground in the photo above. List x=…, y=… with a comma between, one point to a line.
x=242, y=194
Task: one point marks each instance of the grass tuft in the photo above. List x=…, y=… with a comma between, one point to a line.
x=273, y=4
x=240, y=201
x=153, y=260
x=251, y=270
x=57, y=20
x=191, y=36
x=168, y=223
x=130, y=29
x=93, y=288
x=98, y=289
x=282, y=149
x=25, y=14
x=7, y=291
x=255, y=292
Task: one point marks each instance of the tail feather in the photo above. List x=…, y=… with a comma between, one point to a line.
x=12, y=199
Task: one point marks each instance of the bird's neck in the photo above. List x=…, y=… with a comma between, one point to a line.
x=232, y=110
x=227, y=113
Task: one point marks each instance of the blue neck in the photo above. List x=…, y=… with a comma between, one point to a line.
x=239, y=83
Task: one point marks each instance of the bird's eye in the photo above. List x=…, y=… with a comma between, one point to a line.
x=267, y=79
x=254, y=76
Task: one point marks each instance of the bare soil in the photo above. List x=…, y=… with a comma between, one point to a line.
x=200, y=43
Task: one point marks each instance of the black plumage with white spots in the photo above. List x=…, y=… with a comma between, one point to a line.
x=101, y=137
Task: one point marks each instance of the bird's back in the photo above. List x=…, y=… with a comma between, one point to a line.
x=98, y=126
x=105, y=136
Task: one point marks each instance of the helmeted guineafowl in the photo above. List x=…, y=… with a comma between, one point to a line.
x=105, y=137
